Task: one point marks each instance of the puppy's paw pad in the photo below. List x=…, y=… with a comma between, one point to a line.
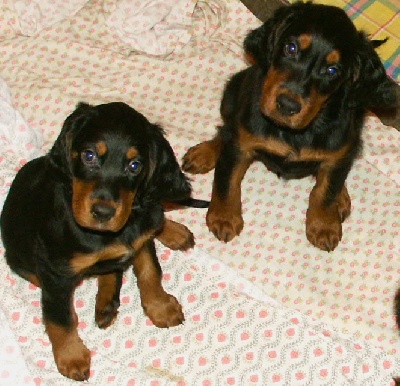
x=74, y=363
x=325, y=235
x=165, y=311
x=178, y=237
x=199, y=159
x=223, y=227
x=326, y=240
x=106, y=315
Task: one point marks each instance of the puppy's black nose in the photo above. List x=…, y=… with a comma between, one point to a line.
x=287, y=105
x=102, y=212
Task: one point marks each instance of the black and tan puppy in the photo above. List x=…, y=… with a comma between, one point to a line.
x=92, y=206
x=299, y=109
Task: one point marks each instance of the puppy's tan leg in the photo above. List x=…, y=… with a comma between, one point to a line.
x=107, y=298
x=202, y=158
x=344, y=204
x=176, y=236
x=224, y=216
x=324, y=222
x=162, y=308
x=70, y=354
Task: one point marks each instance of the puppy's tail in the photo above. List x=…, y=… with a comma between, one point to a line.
x=186, y=203
x=376, y=43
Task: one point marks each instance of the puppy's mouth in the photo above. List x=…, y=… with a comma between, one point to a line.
x=97, y=214
x=285, y=107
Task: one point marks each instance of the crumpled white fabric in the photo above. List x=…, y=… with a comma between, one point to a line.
x=19, y=143
x=29, y=17
x=154, y=27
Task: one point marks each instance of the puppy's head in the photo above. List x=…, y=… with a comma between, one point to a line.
x=114, y=158
x=309, y=52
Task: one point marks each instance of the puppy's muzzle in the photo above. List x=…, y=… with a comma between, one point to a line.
x=102, y=212
x=287, y=106
x=99, y=208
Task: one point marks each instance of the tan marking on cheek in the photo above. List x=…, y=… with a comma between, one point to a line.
x=124, y=208
x=274, y=77
x=82, y=261
x=74, y=154
x=333, y=57
x=305, y=41
x=310, y=109
x=131, y=153
x=81, y=202
x=270, y=90
x=101, y=148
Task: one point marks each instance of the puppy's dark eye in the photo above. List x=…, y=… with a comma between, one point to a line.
x=291, y=49
x=332, y=71
x=89, y=157
x=134, y=167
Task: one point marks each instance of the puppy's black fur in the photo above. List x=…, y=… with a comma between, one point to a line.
x=299, y=108
x=92, y=206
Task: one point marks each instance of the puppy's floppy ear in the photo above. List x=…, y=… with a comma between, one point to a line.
x=59, y=155
x=372, y=87
x=166, y=181
x=260, y=43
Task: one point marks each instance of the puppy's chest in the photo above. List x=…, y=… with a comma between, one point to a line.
x=115, y=255
x=286, y=154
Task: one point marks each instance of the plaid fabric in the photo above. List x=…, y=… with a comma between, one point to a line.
x=380, y=19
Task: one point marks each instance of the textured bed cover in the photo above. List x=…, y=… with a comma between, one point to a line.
x=267, y=308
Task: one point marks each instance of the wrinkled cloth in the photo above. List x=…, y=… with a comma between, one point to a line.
x=29, y=17
x=154, y=27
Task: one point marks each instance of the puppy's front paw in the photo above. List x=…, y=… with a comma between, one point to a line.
x=224, y=224
x=105, y=314
x=200, y=159
x=324, y=228
x=176, y=236
x=164, y=311
x=73, y=360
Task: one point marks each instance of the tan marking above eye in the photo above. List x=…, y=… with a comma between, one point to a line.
x=305, y=41
x=333, y=57
x=131, y=153
x=101, y=148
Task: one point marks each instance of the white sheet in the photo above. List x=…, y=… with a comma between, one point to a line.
x=155, y=27
x=29, y=17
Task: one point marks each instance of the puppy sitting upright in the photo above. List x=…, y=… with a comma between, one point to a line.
x=299, y=109
x=92, y=206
